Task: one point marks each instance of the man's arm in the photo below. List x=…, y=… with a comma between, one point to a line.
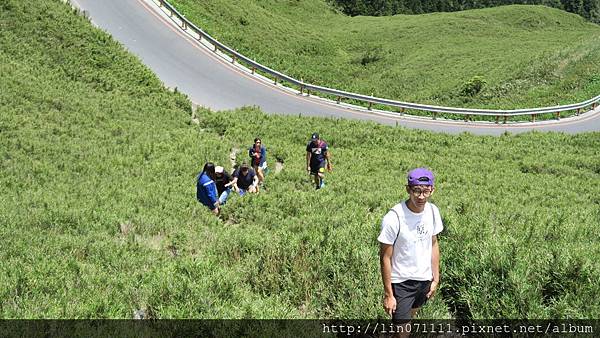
x=385, y=261
x=234, y=184
x=435, y=266
x=328, y=158
x=308, y=161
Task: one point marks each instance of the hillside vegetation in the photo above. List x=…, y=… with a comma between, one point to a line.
x=589, y=9
x=528, y=56
x=98, y=216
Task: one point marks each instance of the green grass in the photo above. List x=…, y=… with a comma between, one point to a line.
x=530, y=56
x=98, y=216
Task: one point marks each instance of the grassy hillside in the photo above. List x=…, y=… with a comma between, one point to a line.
x=98, y=216
x=528, y=55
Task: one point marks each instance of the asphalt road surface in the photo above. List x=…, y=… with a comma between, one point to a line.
x=211, y=81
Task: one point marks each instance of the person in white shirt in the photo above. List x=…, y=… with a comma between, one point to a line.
x=409, y=252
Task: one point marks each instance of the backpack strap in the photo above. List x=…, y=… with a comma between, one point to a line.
x=399, y=225
x=432, y=215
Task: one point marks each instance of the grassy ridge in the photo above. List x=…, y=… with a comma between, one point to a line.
x=529, y=55
x=98, y=217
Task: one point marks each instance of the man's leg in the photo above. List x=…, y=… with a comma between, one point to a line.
x=321, y=175
x=404, y=293
x=260, y=174
x=316, y=180
x=224, y=196
x=420, y=296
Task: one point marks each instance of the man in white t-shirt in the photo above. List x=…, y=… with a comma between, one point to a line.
x=409, y=252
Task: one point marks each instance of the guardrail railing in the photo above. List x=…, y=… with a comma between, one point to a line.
x=185, y=24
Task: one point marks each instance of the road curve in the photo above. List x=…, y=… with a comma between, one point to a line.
x=210, y=81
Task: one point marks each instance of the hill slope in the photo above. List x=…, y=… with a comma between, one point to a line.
x=528, y=55
x=98, y=217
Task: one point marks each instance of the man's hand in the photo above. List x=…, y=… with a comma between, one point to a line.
x=432, y=289
x=389, y=305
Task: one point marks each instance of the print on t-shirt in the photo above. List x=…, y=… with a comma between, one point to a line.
x=422, y=233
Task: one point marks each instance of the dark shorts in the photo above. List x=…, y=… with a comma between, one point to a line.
x=315, y=168
x=410, y=294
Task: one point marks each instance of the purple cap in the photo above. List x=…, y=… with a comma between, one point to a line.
x=420, y=176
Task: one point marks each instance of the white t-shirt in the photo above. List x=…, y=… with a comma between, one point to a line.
x=411, y=258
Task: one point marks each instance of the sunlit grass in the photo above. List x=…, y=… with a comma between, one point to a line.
x=98, y=216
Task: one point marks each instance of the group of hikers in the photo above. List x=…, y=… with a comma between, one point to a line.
x=409, y=251
x=214, y=184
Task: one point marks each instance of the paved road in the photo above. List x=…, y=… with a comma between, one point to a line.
x=210, y=81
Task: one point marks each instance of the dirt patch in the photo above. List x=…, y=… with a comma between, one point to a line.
x=155, y=242
x=125, y=228
x=173, y=250
x=233, y=157
x=195, y=118
x=278, y=167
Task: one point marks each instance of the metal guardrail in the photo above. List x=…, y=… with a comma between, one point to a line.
x=402, y=106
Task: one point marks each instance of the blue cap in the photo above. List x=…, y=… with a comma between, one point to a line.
x=420, y=176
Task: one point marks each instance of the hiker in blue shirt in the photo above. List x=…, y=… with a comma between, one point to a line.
x=317, y=157
x=258, y=159
x=206, y=189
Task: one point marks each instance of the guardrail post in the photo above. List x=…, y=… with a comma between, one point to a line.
x=254, y=71
x=275, y=81
x=308, y=92
x=160, y=3
x=532, y=117
x=215, y=49
x=558, y=115
x=199, y=37
x=466, y=117
x=497, y=118
x=435, y=115
x=233, y=59
x=183, y=24
x=594, y=105
x=339, y=98
x=578, y=111
x=505, y=118
x=370, y=105
x=401, y=111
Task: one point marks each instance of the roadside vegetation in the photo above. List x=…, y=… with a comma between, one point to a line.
x=98, y=217
x=527, y=56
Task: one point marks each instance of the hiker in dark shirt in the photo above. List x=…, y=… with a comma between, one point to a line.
x=245, y=180
x=224, y=183
x=317, y=158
